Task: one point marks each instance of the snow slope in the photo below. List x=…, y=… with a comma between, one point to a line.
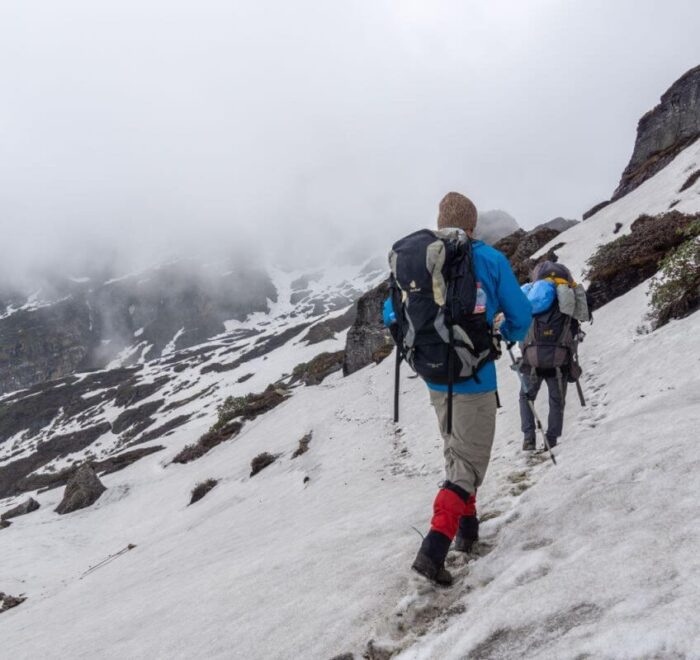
x=596, y=557
x=656, y=195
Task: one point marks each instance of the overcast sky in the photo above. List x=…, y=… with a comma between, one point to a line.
x=146, y=126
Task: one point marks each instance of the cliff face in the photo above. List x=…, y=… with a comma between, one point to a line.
x=44, y=344
x=662, y=133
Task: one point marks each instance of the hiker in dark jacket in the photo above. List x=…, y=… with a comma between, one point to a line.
x=467, y=448
x=550, y=348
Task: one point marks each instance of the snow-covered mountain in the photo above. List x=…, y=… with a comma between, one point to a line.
x=309, y=557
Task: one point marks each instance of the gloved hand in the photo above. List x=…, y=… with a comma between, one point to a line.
x=496, y=340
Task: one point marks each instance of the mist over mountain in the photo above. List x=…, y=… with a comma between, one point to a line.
x=495, y=225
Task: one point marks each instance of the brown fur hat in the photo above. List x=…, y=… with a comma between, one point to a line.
x=457, y=211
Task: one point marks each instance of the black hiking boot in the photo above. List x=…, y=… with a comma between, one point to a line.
x=430, y=560
x=529, y=443
x=468, y=534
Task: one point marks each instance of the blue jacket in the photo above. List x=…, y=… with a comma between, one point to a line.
x=503, y=294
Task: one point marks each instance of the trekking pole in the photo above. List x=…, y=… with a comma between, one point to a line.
x=579, y=389
x=524, y=388
x=397, y=371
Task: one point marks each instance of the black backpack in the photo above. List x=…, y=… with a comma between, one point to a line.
x=434, y=293
x=550, y=341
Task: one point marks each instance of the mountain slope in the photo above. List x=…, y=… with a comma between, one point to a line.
x=310, y=557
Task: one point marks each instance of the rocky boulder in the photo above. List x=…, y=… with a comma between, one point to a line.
x=83, y=490
x=21, y=510
x=367, y=337
x=662, y=133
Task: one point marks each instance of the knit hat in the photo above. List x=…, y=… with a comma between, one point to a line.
x=457, y=211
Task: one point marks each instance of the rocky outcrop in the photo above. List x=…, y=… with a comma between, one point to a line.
x=520, y=246
x=619, y=266
x=558, y=223
x=315, y=371
x=83, y=490
x=21, y=510
x=594, y=209
x=367, y=335
x=664, y=132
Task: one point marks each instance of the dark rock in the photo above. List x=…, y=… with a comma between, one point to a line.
x=690, y=181
x=321, y=366
x=520, y=246
x=298, y=296
x=21, y=510
x=7, y=602
x=367, y=334
x=559, y=224
x=201, y=489
x=245, y=377
x=263, y=346
x=344, y=656
x=618, y=226
x=140, y=417
x=303, y=445
x=4, y=524
x=123, y=460
x=130, y=393
x=83, y=490
x=178, y=403
x=509, y=244
x=163, y=429
x=619, y=266
x=664, y=132
x=594, y=209
x=328, y=328
x=260, y=462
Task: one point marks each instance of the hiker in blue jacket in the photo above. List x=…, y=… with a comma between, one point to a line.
x=467, y=448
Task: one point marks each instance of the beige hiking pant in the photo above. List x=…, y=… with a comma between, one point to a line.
x=468, y=449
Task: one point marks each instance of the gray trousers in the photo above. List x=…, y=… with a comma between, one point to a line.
x=468, y=449
x=557, y=399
